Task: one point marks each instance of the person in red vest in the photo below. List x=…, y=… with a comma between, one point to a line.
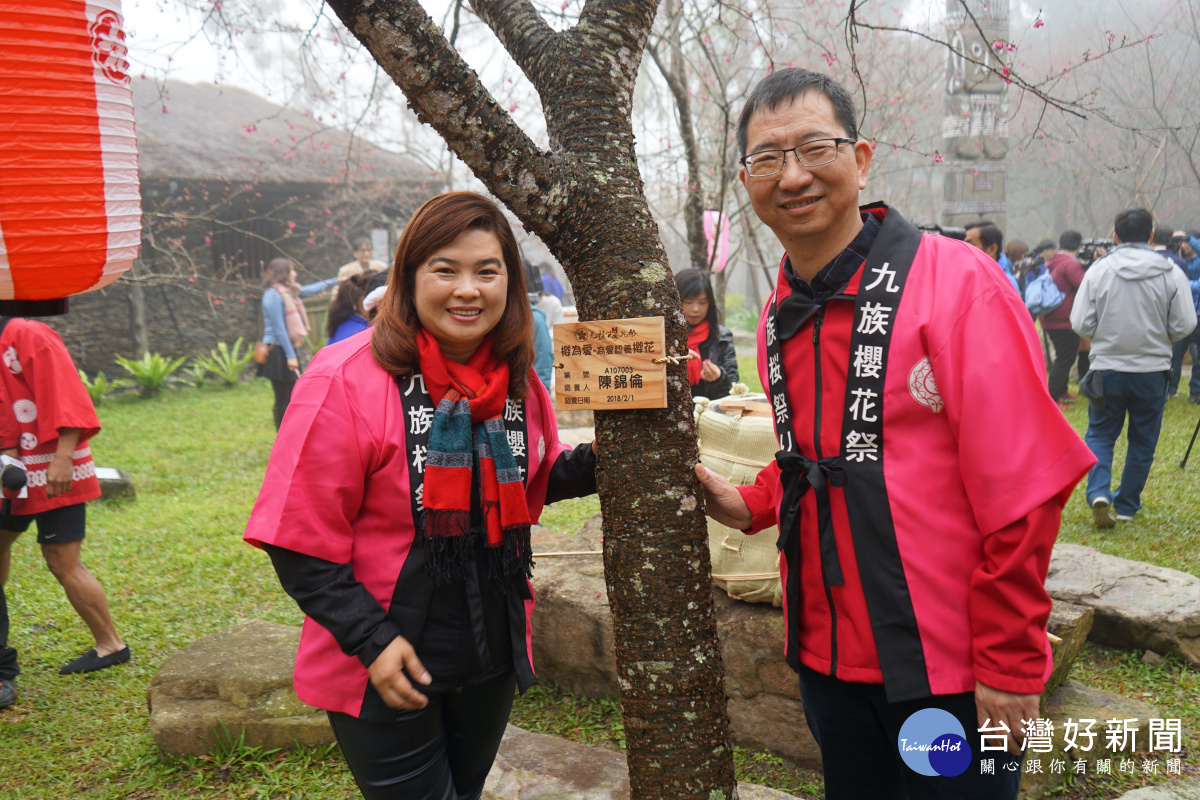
x=921, y=475
x=47, y=420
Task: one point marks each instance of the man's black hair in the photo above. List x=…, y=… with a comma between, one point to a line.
x=786, y=84
x=1134, y=225
x=1044, y=244
x=1163, y=234
x=1070, y=240
x=990, y=234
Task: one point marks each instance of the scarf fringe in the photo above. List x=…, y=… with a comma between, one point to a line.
x=450, y=548
x=449, y=545
x=512, y=560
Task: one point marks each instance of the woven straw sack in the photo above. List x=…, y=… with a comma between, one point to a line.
x=736, y=440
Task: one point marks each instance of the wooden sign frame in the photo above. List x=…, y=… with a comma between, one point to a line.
x=609, y=364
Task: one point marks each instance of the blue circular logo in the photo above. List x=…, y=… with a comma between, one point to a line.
x=933, y=742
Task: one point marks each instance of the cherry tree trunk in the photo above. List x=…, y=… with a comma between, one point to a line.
x=584, y=198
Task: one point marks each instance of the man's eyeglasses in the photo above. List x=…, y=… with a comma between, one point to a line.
x=810, y=154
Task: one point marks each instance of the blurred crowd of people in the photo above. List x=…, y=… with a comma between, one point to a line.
x=1124, y=317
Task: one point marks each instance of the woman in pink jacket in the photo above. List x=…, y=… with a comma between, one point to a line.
x=397, y=507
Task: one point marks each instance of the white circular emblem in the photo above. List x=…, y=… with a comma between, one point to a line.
x=25, y=410
x=28, y=441
x=10, y=361
x=541, y=448
x=923, y=387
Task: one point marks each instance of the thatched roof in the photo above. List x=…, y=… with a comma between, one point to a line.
x=202, y=132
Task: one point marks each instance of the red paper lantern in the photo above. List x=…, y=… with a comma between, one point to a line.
x=70, y=211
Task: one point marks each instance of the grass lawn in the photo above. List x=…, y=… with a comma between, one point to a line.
x=175, y=570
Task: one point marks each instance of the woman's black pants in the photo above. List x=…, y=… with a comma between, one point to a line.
x=441, y=752
x=283, y=396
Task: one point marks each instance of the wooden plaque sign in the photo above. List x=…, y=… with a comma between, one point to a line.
x=608, y=364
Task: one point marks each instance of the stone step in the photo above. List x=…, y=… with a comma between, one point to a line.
x=1138, y=606
x=532, y=765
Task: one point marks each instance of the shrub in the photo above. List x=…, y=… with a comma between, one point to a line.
x=196, y=372
x=100, y=386
x=227, y=363
x=152, y=372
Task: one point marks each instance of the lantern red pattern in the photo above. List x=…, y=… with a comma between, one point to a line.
x=70, y=212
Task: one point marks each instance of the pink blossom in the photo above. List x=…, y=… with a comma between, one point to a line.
x=513, y=107
x=1037, y=23
x=937, y=159
x=291, y=226
x=828, y=59
x=208, y=240
x=191, y=280
x=251, y=128
x=164, y=110
x=998, y=44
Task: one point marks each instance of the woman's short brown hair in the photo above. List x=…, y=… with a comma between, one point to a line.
x=437, y=223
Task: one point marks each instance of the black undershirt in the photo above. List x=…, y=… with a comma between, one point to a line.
x=834, y=276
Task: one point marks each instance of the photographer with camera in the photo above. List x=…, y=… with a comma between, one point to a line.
x=987, y=236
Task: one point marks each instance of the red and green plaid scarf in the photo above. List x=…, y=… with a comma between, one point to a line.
x=467, y=425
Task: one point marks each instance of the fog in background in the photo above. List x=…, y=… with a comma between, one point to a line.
x=1127, y=78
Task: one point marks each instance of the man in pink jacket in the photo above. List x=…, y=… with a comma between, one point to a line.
x=921, y=475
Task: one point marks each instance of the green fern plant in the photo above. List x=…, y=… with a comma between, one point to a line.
x=152, y=371
x=195, y=373
x=100, y=386
x=228, y=363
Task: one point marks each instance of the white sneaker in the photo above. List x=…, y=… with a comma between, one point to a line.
x=1100, y=513
x=1124, y=517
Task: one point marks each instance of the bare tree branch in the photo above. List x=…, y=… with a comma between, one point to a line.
x=522, y=31
x=447, y=94
x=853, y=23
x=625, y=24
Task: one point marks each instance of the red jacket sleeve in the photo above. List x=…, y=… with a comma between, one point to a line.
x=1008, y=603
x=10, y=432
x=760, y=499
x=61, y=398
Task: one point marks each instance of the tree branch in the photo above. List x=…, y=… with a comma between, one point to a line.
x=446, y=94
x=622, y=22
x=521, y=29
x=1074, y=108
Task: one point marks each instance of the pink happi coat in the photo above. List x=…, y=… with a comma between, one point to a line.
x=337, y=487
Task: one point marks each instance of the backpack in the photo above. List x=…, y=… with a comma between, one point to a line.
x=1042, y=294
